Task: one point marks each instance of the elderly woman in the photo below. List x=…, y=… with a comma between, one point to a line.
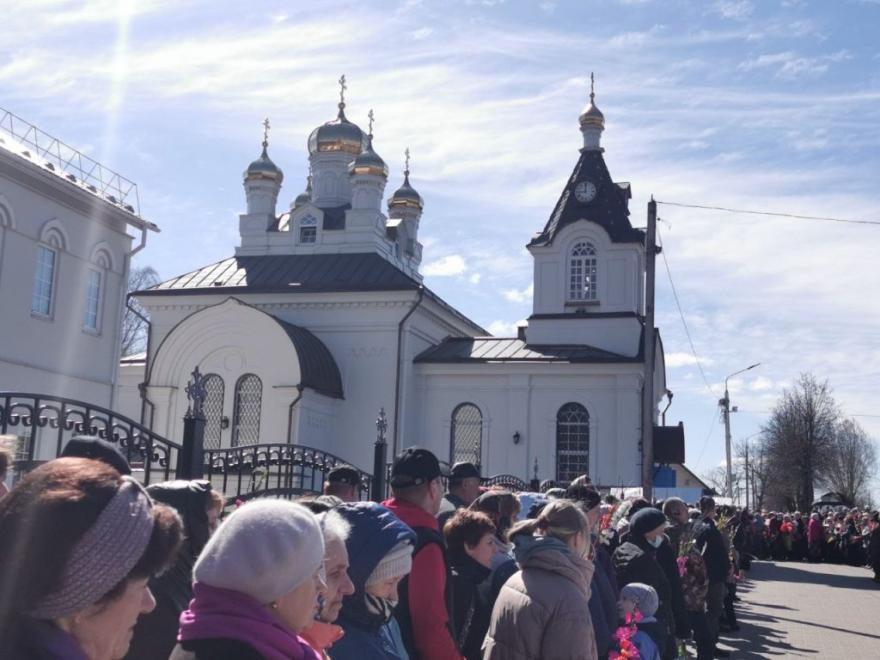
x=256, y=586
x=543, y=610
x=79, y=543
x=380, y=549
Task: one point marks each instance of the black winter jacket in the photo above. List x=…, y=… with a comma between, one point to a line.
x=635, y=561
x=710, y=544
x=471, y=598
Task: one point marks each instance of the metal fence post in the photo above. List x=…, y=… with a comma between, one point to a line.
x=191, y=461
x=536, y=483
x=380, y=450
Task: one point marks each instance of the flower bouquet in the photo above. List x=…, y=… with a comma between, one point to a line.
x=626, y=647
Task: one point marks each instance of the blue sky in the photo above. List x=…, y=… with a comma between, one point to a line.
x=762, y=105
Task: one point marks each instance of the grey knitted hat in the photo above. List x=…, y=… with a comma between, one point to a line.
x=265, y=550
x=643, y=595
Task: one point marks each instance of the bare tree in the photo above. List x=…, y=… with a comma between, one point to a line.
x=753, y=457
x=134, y=327
x=853, y=463
x=799, y=439
x=716, y=478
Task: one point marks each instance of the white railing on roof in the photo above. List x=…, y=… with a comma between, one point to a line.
x=25, y=139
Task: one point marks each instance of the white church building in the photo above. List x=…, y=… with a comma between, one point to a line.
x=321, y=318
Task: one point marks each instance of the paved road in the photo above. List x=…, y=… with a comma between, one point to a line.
x=799, y=610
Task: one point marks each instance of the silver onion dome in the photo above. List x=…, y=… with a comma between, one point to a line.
x=368, y=162
x=305, y=196
x=264, y=168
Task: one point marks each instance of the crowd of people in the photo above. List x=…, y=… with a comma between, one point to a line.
x=97, y=567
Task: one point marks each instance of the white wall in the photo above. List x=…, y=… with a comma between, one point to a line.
x=55, y=354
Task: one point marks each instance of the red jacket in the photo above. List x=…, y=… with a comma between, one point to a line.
x=427, y=589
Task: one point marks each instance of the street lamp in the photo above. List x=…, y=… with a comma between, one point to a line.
x=725, y=410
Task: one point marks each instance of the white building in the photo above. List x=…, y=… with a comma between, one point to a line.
x=320, y=319
x=65, y=250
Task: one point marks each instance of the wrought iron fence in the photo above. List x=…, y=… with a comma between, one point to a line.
x=45, y=424
x=272, y=470
x=508, y=481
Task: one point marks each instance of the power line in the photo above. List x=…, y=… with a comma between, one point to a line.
x=687, y=331
x=795, y=216
x=706, y=441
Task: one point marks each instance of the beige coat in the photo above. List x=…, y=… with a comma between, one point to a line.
x=542, y=612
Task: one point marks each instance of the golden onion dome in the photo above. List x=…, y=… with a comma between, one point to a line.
x=337, y=135
x=263, y=168
x=368, y=162
x=592, y=116
x=405, y=196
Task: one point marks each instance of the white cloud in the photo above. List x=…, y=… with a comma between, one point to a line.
x=517, y=296
x=475, y=278
x=504, y=329
x=737, y=9
x=448, y=266
x=422, y=33
x=789, y=64
x=674, y=360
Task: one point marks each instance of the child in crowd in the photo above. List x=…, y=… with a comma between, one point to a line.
x=641, y=601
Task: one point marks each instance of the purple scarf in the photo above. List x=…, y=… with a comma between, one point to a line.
x=223, y=614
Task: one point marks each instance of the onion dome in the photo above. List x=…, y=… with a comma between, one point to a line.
x=263, y=167
x=406, y=196
x=592, y=116
x=305, y=196
x=339, y=134
x=368, y=161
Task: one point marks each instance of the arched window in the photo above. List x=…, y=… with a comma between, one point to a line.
x=572, y=442
x=95, y=276
x=246, y=413
x=466, y=436
x=215, y=389
x=582, y=273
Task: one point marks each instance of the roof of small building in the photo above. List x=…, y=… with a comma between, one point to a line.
x=609, y=208
x=299, y=273
x=318, y=369
x=506, y=349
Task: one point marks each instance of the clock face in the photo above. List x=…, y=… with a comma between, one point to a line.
x=585, y=191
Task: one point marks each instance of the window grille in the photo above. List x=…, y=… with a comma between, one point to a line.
x=466, y=434
x=572, y=442
x=246, y=413
x=215, y=390
x=308, y=234
x=93, y=300
x=44, y=281
x=582, y=273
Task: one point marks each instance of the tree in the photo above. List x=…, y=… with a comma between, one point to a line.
x=799, y=440
x=853, y=463
x=754, y=457
x=134, y=325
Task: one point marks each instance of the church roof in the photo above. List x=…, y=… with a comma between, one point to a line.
x=609, y=208
x=504, y=349
x=318, y=370
x=298, y=273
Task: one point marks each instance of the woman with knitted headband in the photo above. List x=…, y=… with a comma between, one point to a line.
x=380, y=550
x=256, y=587
x=79, y=543
x=543, y=610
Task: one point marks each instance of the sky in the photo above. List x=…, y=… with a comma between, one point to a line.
x=768, y=105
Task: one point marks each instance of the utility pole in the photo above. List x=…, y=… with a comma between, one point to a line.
x=725, y=411
x=648, y=385
x=747, y=474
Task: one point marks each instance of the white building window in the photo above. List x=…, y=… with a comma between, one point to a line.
x=582, y=273
x=572, y=442
x=466, y=439
x=44, y=281
x=308, y=229
x=93, y=300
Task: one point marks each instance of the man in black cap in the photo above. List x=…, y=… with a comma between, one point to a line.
x=710, y=544
x=464, y=488
x=91, y=446
x=343, y=482
x=422, y=611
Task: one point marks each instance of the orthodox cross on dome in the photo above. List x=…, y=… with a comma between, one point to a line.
x=266, y=127
x=342, y=88
x=370, y=115
x=592, y=87
x=406, y=167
